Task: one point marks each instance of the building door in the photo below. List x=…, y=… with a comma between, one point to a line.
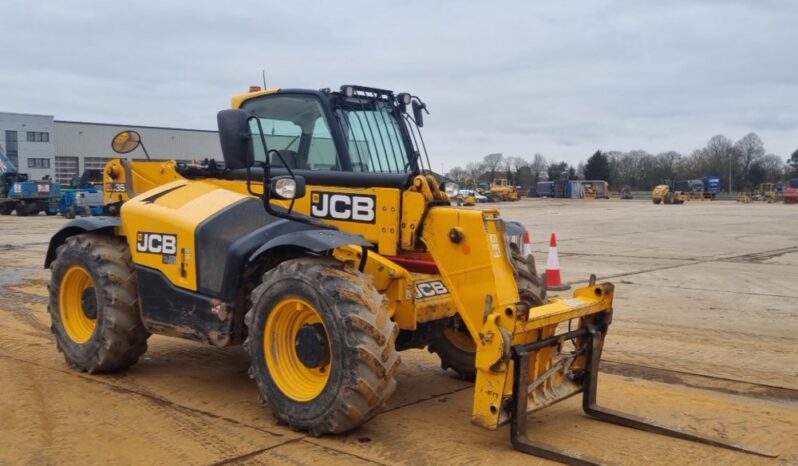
x=95, y=163
x=66, y=168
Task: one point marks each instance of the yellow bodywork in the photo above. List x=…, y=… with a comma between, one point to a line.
x=663, y=194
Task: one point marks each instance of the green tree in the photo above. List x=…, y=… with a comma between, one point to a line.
x=598, y=167
x=794, y=162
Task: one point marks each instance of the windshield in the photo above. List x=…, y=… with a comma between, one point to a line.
x=373, y=136
x=376, y=138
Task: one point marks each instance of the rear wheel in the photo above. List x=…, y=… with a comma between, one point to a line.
x=70, y=212
x=321, y=345
x=6, y=208
x=93, y=304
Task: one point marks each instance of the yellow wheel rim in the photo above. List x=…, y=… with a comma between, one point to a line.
x=461, y=339
x=78, y=324
x=296, y=380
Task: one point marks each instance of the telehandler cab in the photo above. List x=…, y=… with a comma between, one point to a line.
x=324, y=245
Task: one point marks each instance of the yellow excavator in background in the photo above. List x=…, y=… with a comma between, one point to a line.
x=505, y=191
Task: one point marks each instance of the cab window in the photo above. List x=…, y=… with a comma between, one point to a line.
x=294, y=126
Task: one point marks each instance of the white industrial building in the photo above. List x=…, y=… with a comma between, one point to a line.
x=40, y=145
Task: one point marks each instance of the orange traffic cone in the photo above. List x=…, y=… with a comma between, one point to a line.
x=527, y=244
x=553, y=280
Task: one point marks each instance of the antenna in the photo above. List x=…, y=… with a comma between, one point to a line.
x=263, y=73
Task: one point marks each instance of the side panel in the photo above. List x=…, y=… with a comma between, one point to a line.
x=160, y=225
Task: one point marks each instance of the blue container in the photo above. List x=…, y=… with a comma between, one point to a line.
x=711, y=184
x=545, y=188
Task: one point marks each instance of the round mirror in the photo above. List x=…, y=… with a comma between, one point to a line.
x=126, y=141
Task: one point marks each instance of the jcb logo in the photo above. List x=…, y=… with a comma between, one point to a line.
x=156, y=243
x=340, y=206
x=430, y=289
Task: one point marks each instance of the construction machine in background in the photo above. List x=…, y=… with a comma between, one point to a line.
x=763, y=192
x=626, y=193
x=324, y=247
x=24, y=196
x=505, y=191
x=588, y=191
x=666, y=194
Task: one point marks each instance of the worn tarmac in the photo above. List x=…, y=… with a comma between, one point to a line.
x=704, y=337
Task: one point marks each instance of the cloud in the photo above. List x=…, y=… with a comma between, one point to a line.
x=517, y=77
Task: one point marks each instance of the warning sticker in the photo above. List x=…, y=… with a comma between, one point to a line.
x=494, y=245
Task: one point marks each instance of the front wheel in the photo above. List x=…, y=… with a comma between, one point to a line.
x=321, y=345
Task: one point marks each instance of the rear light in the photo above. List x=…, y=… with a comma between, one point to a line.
x=254, y=88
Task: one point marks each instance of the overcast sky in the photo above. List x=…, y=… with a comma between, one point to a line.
x=559, y=78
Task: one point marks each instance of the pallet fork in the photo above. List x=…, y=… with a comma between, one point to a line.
x=593, y=336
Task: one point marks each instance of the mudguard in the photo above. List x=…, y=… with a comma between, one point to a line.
x=76, y=227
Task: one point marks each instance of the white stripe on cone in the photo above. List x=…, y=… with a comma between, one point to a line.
x=527, y=244
x=553, y=279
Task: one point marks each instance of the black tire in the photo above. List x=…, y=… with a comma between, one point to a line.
x=22, y=209
x=669, y=198
x=70, y=212
x=6, y=208
x=456, y=350
x=118, y=338
x=85, y=212
x=361, y=336
x=452, y=346
x=656, y=200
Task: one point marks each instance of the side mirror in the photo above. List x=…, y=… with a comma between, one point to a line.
x=287, y=187
x=235, y=138
x=417, y=115
x=126, y=141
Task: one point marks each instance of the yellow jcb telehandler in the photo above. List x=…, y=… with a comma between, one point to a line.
x=323, y=246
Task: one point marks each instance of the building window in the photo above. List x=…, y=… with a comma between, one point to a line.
x=38, y=163
x=12, y=151
x=38, y=136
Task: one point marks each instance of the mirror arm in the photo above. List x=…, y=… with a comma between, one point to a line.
x=141, y=143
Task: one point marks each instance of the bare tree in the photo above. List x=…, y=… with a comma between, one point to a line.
x=719, y=156
x=773, y=167
x=474, y=170
x=750, y=149
x=513, y=166
x=580, y=170
x=457, y=174
x=539, y=167
x=491, y=164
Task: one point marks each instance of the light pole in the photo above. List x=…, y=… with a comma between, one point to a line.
x=730, y=168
